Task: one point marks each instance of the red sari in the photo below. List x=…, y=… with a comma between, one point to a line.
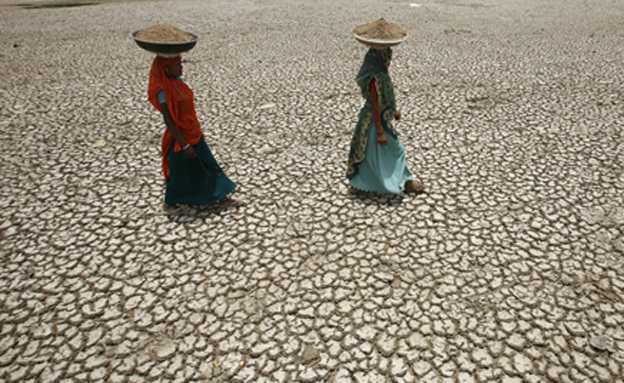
x=179, y=99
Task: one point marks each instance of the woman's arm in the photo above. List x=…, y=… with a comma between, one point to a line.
x=189, y=153
x=374, y=100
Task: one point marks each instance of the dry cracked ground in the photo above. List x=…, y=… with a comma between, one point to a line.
x=509, y=269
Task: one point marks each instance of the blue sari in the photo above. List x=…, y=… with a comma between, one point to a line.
x=372, y=167
x=198, y=181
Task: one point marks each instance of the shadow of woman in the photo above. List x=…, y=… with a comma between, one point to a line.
x=377, y=199
x=199, y=213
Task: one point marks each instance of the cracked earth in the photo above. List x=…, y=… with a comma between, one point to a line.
x=510, y=268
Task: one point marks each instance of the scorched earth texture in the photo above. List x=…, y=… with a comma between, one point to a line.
x=506, y=270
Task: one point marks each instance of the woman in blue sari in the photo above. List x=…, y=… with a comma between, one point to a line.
x=377, y=158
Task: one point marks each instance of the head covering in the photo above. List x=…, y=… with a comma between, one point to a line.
x=180, y=103
x=376, y=63
x=158, y=79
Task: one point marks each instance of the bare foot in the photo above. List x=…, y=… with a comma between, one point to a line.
x=413, y=187
x=229, y=202
x=173, y=209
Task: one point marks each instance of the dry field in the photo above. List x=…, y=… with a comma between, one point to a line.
x=510, y=268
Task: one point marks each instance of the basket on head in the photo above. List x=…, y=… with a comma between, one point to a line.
x=165, y=40
x=380, y=34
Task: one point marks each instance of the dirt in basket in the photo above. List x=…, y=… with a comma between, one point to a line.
x=163, y=33
x=380, y=30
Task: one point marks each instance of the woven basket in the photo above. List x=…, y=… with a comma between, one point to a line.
x=166, y=49
x=378, y=44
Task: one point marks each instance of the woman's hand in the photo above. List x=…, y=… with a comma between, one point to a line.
x=189, y=153
x=381, y=136
x=397, y=116
x=381, y=139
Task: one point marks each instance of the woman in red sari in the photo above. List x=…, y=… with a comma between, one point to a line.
x=192, y=175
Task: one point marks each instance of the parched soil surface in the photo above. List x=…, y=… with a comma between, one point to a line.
x=507, y=269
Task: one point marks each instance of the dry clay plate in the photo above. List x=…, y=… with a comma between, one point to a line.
x=379, y=43
x=166, y=48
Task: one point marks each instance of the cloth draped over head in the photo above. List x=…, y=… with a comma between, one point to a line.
x=374, y=68
x=376, y=63
x=179, y=98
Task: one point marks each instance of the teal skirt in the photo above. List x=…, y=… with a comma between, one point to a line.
x=384, y=169
x=196, y=182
